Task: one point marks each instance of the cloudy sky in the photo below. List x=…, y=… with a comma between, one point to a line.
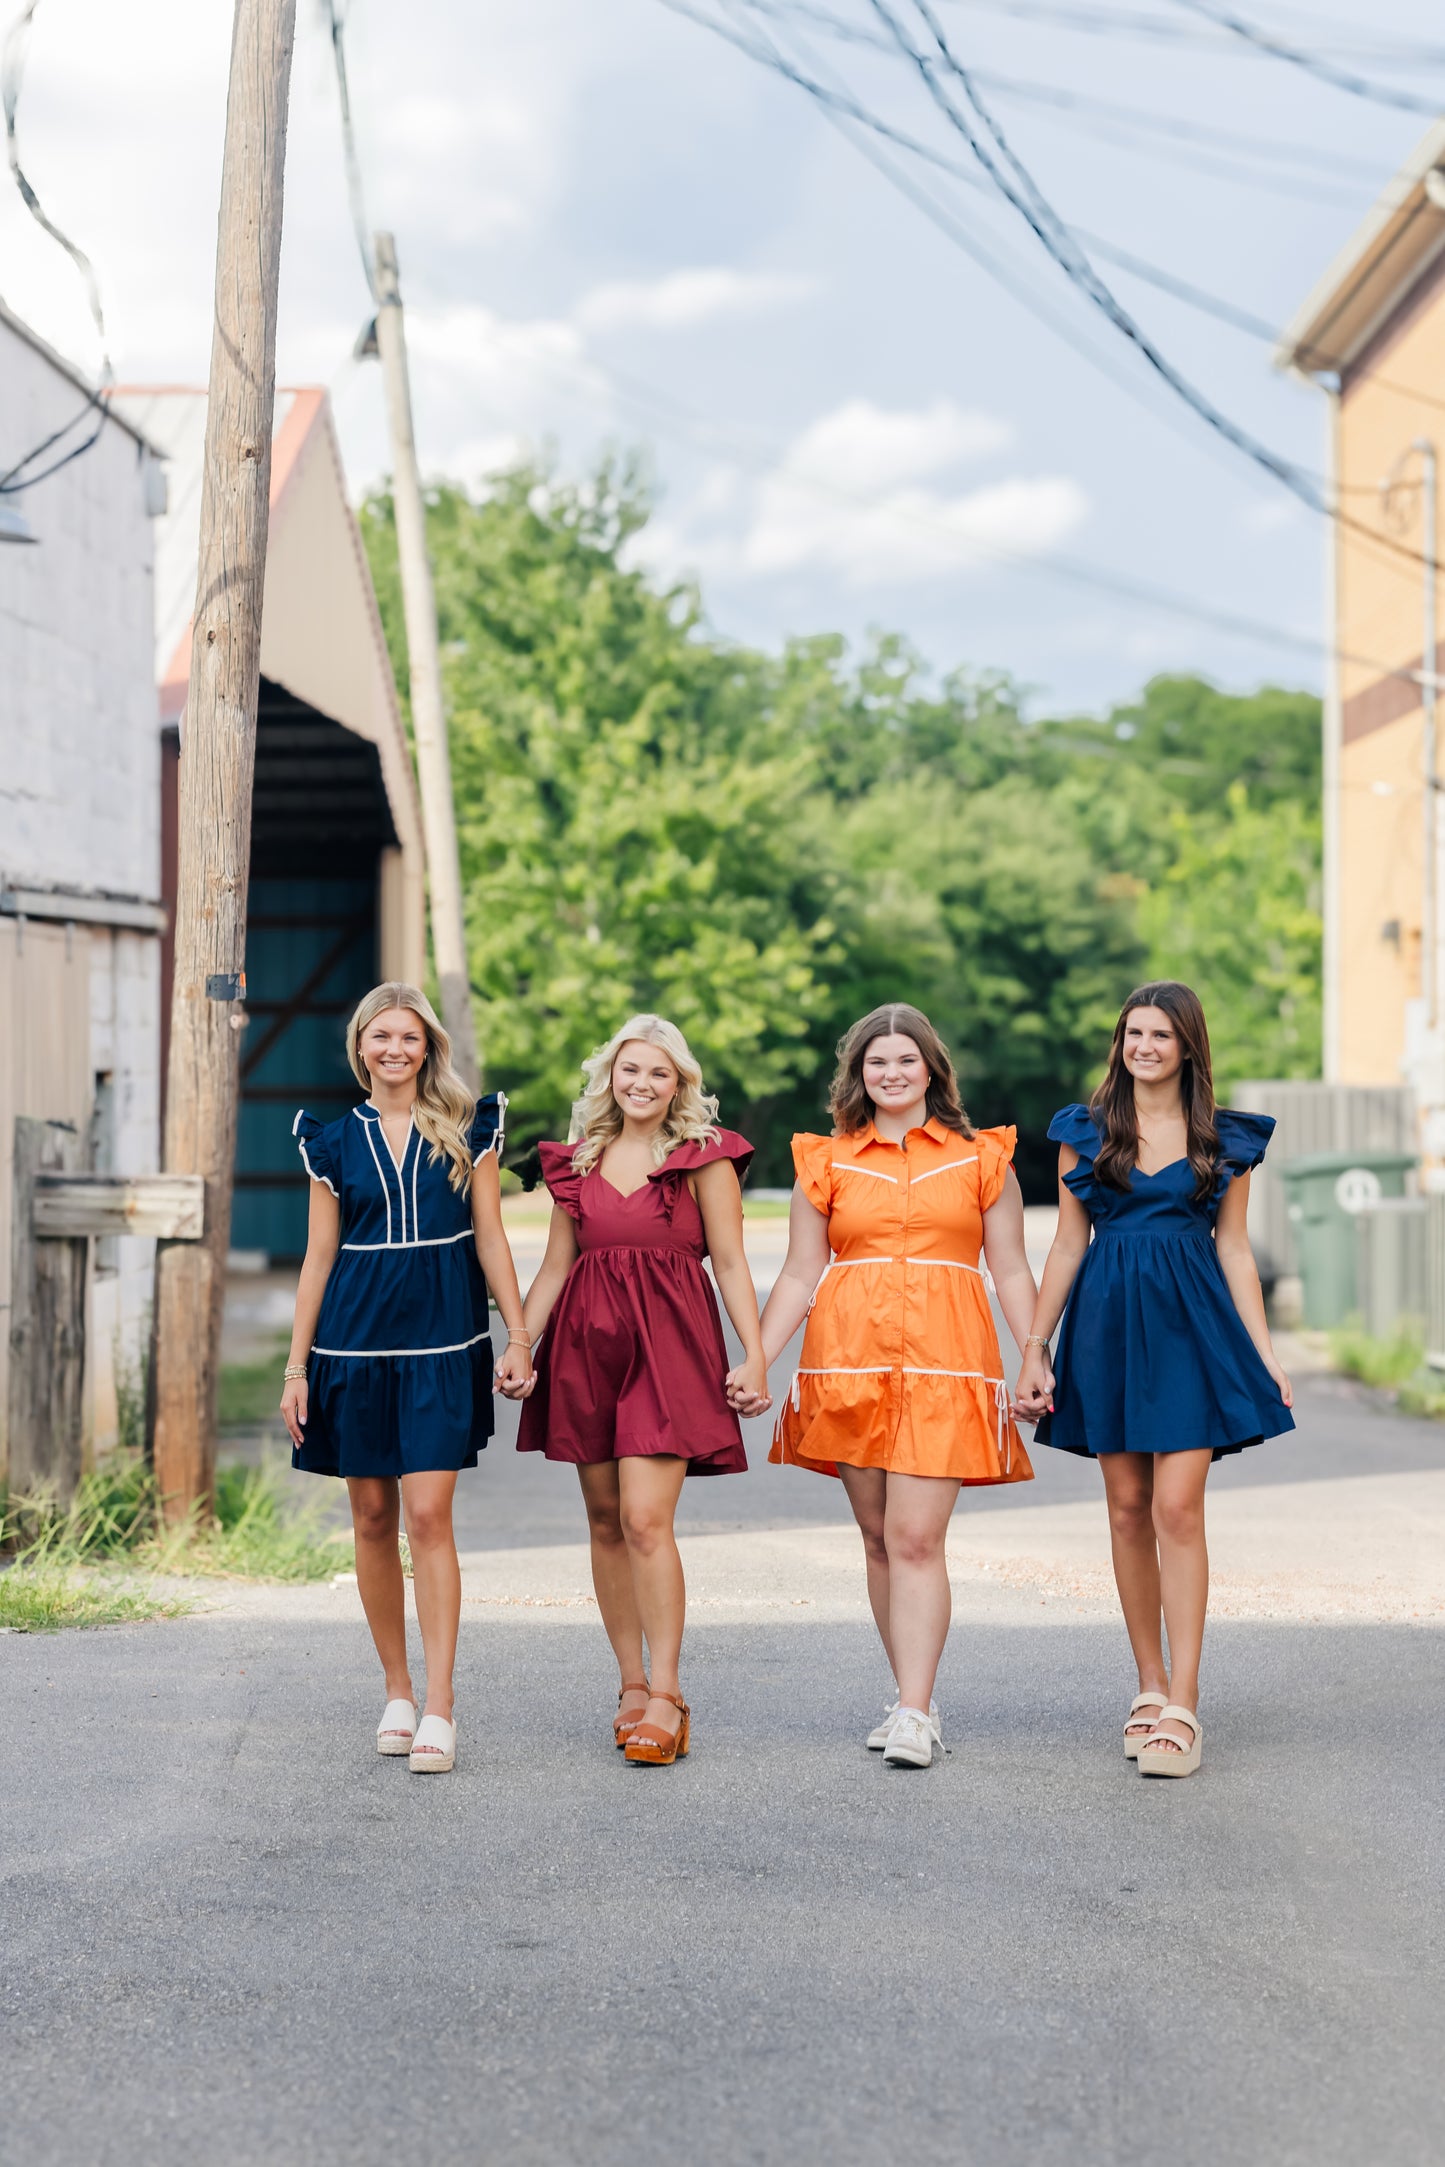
x=615, y=228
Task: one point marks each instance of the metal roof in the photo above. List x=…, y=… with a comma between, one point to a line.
x=1399, y=240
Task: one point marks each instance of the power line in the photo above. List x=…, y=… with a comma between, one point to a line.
x=12, y=73
x=335, y=17
x=1355, y=86
x=1016, y=184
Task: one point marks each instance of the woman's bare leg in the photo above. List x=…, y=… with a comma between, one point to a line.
x=376, y=1521
x=612, y=1575
x=920, y=1603
x=649, y=1489
x=867, y=1493
x=436, y=1578
x=1179, y=1479
x=1129, y=1488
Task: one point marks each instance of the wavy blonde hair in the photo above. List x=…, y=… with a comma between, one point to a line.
x=597, y=1117
x=444, y=1106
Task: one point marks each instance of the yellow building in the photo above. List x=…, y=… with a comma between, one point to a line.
x=1372, y=337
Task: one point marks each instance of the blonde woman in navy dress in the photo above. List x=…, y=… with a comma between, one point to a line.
x=389, y=1381
x=1165, y=1362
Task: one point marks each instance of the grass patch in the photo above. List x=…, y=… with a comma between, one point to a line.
x=1388, y=1362
x=254, y=1532
x=46, y=1596
x=250, y=1392
x=1395, y=1364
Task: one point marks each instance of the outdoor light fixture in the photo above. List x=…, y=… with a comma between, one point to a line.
x=14, y=527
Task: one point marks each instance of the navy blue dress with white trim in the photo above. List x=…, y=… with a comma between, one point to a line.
x=399, y=1380
x=1153, y=1355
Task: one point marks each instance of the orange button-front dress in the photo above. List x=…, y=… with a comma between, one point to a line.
x=900, y=1365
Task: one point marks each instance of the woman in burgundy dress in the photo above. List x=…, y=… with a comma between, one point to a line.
x=632, y=1383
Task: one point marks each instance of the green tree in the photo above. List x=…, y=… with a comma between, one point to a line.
x=1237, y=916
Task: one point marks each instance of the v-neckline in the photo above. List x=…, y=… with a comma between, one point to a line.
x=624, y=1196
x=1182, y=1160
x=397, y=1163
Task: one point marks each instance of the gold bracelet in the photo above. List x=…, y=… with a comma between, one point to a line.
x=1034, y=1340
x=514, y=1338
x=294, y=1369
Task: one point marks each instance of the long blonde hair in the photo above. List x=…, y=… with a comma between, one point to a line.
x=444, y=1106
x=597, y=1117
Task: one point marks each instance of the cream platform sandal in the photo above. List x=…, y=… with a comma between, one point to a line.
x=397, y=1728
x=1175, y=1760
x=434, y=1748
x=1133, y=1729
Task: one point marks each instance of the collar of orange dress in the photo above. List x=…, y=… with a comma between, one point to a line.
x=932, y=1127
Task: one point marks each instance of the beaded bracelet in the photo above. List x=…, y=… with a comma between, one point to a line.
x=1034, y=1340
x=294, y=1370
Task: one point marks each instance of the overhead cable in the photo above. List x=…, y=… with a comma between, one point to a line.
x=335, y=18
x=1295, y=56
x=20, y=475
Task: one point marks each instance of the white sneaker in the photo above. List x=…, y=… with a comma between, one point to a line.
x=878, y=1739
x=910, y=1740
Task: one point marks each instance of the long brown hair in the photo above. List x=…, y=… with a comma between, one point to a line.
x=848, y=1101
x=1113, y=1107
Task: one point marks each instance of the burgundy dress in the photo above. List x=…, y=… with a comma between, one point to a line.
x=632, y=1361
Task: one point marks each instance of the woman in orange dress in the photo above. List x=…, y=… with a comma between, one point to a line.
x=900, y=1387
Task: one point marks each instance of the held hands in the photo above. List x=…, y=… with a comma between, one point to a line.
x=1034, y=1393
x=747, y=1388
x=294, y=1409
x=516, y=1378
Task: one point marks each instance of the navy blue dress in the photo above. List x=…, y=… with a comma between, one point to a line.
x=399, y=1380
x=1153, y=1355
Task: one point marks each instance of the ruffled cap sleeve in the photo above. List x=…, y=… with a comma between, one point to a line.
x=1074, y=1125
x=1243, y=1138
x=687, y=1158
x=995, y=1157
x=564, y=1183
x=813, y=1165
x=313, y=1141
x=488, y=1125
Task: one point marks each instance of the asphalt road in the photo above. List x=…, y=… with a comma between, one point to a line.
x=229, y=1933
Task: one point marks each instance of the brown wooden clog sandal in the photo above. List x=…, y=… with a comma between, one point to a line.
x=650, y=1746
x=623, y=1726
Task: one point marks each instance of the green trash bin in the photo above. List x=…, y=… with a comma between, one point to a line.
x=1326, y=1192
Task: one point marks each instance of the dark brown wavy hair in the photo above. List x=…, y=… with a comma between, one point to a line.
x=848, y=1101
x=1113, y=1107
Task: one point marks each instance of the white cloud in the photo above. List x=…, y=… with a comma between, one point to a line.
x=860, y=493
x=680, y=300
x=863, y=446
x=908, y=533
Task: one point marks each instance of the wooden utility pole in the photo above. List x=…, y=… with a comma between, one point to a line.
x=218, y=747
x=428, y=718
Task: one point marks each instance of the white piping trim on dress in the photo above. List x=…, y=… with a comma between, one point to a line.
x=395, y=1354
x=846, y=1166
x=432, y=1241
x=416, y=1162
x=301, y=1147
x=386, y=1193
x=947, y=1168
x=400, y=1165
x=910, y=1369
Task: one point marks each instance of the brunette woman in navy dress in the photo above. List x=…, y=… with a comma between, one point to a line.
x=1164, y=1360
x=389, y=1381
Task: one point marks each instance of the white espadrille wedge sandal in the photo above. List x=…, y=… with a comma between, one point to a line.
x=434, y=1748
x=397, y=1728
x=1135, y=1728
x=1172, y=1760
